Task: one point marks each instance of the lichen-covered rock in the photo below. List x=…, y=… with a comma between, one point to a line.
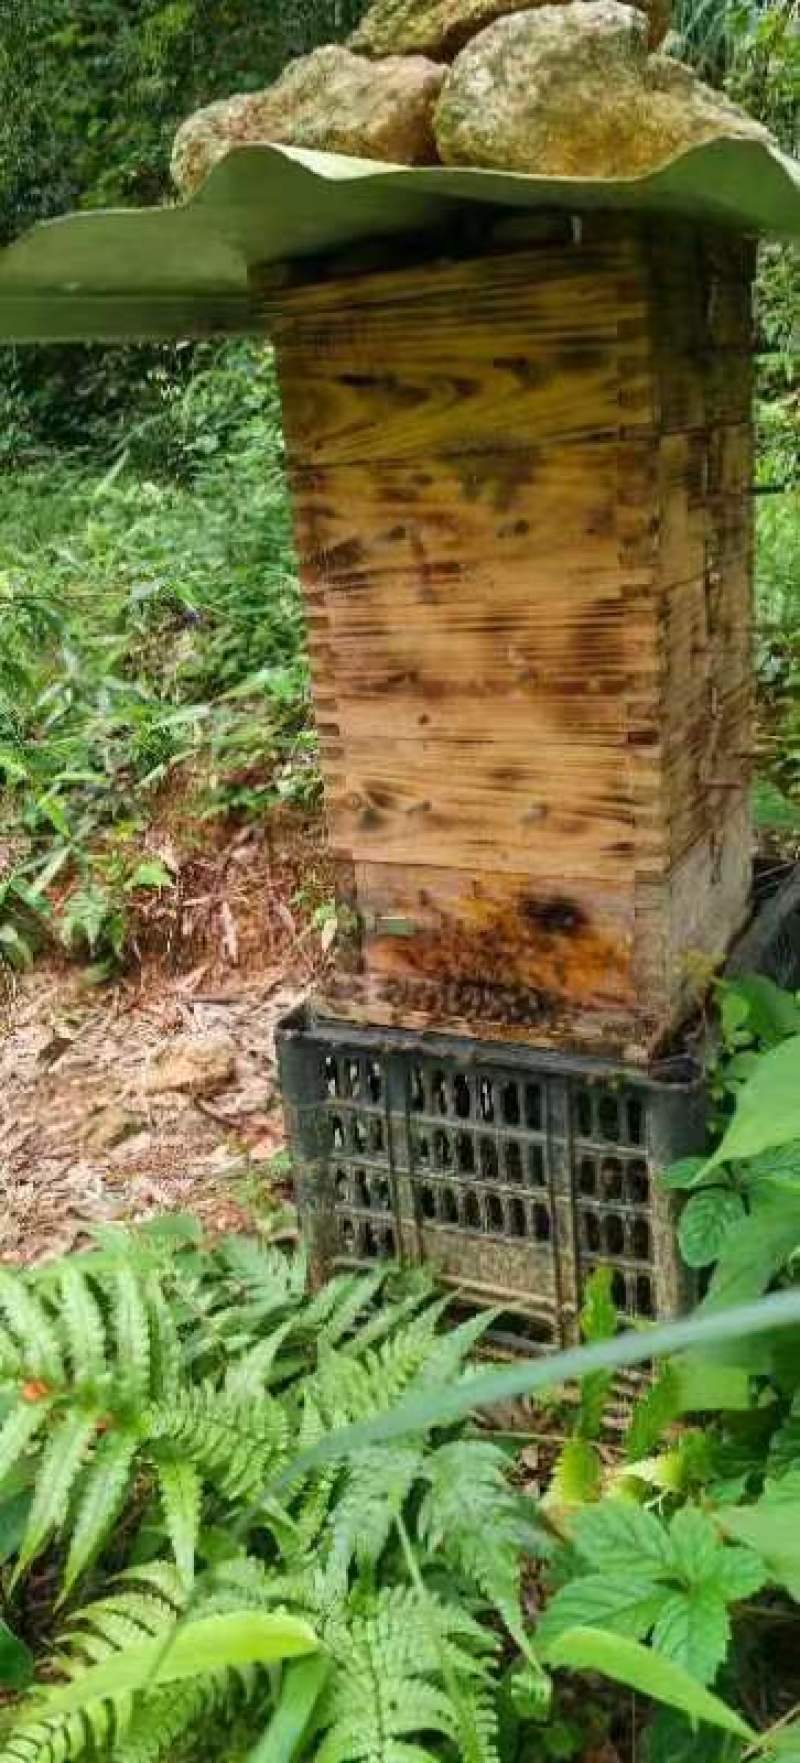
x=570, y=91
x=333, y=101
x=441, y=28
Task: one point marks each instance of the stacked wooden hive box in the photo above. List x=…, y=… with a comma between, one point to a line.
x=520, y=456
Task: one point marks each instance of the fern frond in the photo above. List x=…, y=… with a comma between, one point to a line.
x=334, y=1311
x=101, y=1499
x=33, y=1329
x=131, y=1334
x=19, y=1430
x=471, y=1516
x=250, y=1374
x=83, y=1328
x=61, y=1464
x=263, y=1271
x=234, y=1443
x=387, y=1690
x=376, y=1488
x=181, y=1498
x=166, y=1357
x=164, y=1717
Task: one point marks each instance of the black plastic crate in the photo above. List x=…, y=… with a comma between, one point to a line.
x=512, y=1171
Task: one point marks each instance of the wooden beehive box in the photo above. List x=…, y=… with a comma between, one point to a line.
x=521, y=477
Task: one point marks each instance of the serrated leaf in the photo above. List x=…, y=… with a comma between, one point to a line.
x=578, y=1475
x=61, y=1463
x=739, y=1573
x=29, y=1321
x=83, y=1326
x=132, y=1333
x=18, y=1431
x=180, y=1488
x=165, y=1348
x=102, y=1496
x=652, y=1674
x=653, y=1414
x=704, y=1224
x=693, y=1630
x=618, y=1536
x=695, y=1545
x=622, y=1603
x=770, y=1013
x=771, y=1528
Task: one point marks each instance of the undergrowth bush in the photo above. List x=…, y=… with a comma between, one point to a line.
x=149, y=625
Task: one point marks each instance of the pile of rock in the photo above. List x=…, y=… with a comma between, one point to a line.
x=577, y=89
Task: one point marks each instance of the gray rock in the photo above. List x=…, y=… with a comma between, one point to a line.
x=570, y=91
x=333, y=101
x=441, y=28
x=197, y=1065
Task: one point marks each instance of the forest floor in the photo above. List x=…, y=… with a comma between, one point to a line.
x=159, y=1091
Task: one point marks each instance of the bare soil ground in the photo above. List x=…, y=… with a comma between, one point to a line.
x=84, y=1137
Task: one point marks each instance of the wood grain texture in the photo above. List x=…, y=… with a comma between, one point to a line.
x=521, y=486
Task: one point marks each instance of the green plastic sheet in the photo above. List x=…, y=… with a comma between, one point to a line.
x=184, y=271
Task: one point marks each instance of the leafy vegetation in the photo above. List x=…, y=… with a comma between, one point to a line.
x=151, y=633
x=275, y=1520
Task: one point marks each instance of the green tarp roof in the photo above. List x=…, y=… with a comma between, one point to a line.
x=127, y=274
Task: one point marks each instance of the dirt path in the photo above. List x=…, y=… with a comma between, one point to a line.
x=84, y=1137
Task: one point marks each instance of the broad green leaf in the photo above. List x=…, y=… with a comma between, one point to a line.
x=102, y=1496
x=695, y=1545
x=705, y=1222
x=302, y=1687
x=624, y=1603
x=150, y=873
x=756, y=1248
x=771, y=1528
x=771, y=1014
x=16, y=1660
x=672, y=1738
x=692, y=1629
x=710, y=1386
x=213, y=1643
x=739, y=1573
x=686, y=1173
x=14, y=1513
x=767, y=1107
x=640, y=1668
x=653, y=1413
x=617, y=1536
x=180, y=1489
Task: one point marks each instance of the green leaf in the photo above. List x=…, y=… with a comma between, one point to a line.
x=693, y=1629
x=622, y=1603
x=180, y=1488
x=132, y=1334
x=213, y=1643
x=101, y=1499
x=767, y=1107
x=683, y=1174
x=18, y=1431
x=771, y=1528
x=653, y=1414
x=756, y=1248
x=303, y=1684
x=16, y=1660
x=739, y=1573
x=704, y=1224
x=771, y=1014
x=150, y=874
x=617, y=1536
x=62, y=1461
x=695, y=1545
x=31, y=1324
x=578, y=1474
x=640, y=1668
x=672, y=1738
x=83, y=1326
